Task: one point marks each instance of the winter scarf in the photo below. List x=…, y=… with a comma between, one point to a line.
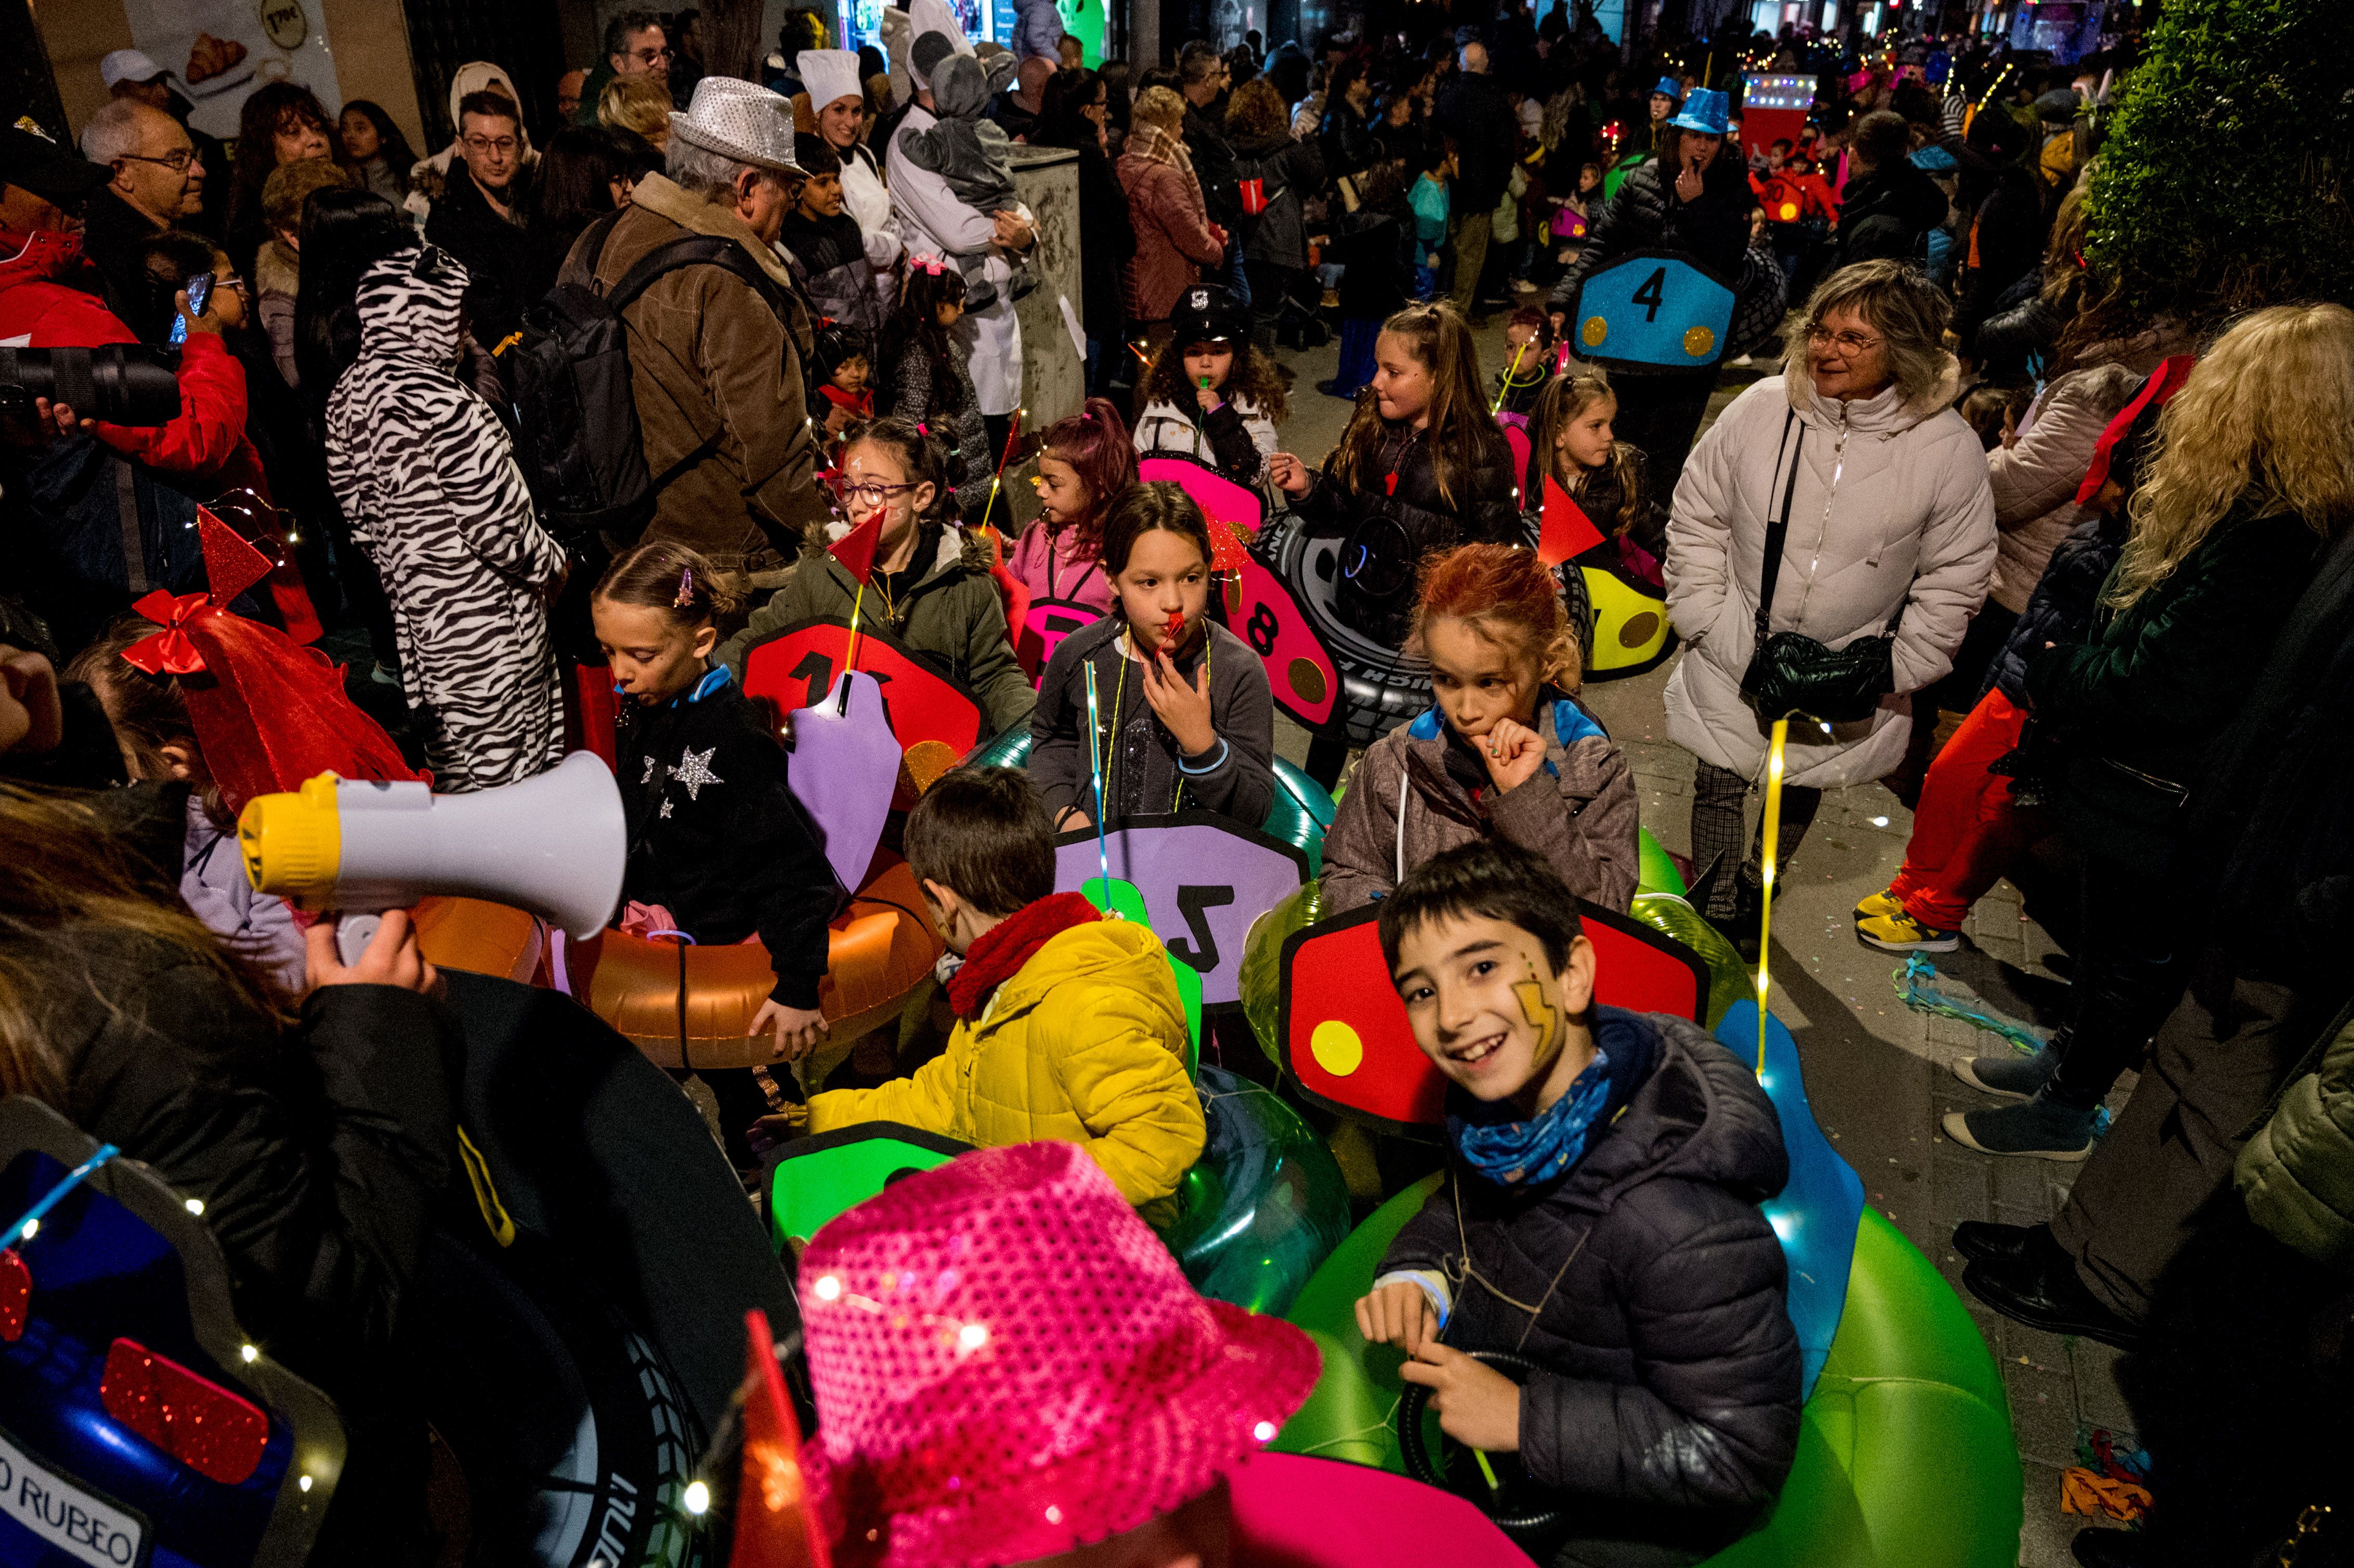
x=1002, y=951
x=1153, y=142
x=1545, y=1146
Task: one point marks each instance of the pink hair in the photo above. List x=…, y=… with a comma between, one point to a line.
x=1094, y=442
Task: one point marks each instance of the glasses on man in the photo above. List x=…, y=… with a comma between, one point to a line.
x=650, y=57
x=501, y=145
x=1845, y=342
x=177, y=159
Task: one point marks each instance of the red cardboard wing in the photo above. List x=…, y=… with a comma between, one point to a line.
x=1345, y=1036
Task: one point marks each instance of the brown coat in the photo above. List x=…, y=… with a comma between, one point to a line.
x=710, y=361
x=1579, y=812
x=1173, y=241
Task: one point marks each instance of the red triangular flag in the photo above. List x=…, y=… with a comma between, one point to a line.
x=775, y=1518
x=1564, y=532
x=856, y=550
x=232, y=565
x=1227, y=553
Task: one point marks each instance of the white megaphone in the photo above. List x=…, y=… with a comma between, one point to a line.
x=555, y=845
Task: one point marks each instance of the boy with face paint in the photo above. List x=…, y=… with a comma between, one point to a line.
x=1600, y=1219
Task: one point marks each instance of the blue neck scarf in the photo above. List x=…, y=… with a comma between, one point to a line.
x=1548, y=1145
x=1529, y=1153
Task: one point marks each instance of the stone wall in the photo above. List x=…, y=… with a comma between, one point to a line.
x=1054, y=374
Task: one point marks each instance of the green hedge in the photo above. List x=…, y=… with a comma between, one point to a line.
x=2222, y=185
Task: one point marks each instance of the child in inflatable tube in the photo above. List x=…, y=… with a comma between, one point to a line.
x=1068, y=1024
x=719, y=847
x=1600, y=1218
x=1187, y=719
x=1062, y=1397
x=1505, y=752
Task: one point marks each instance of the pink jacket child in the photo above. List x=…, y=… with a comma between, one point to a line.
x=1083, y=462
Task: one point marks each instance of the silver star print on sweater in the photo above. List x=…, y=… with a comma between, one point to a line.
x=693, y=770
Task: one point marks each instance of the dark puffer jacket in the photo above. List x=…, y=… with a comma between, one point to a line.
x=1647, y=215
x=2060, y=611
x=2141, y=706
x=319, y=1151
x=1883, y=215
x=1668, y=1406
x=1396, y=527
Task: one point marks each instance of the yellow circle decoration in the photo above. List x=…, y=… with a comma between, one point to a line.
x=1698, y=341
x=1594, y=330
x=1336, y=1048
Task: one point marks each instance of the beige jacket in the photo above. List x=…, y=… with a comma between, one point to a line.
x=711, y=362
x=2035, y=479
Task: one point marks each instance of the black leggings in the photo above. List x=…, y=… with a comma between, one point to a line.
x=2130, y=974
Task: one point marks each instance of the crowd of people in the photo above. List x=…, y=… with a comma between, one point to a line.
x=527, y=434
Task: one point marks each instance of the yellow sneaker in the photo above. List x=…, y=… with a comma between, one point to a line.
x=1900, y=933
x=1881, y=906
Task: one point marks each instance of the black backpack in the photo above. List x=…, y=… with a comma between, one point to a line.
x=579, y=445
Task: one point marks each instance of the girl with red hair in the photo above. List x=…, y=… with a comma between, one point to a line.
x=1084, y=463
x=1506, y=751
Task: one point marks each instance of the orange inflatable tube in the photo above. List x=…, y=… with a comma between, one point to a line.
x=483, y=938
x=689, y=1006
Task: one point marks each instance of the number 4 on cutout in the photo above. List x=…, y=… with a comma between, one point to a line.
x=1653, y=294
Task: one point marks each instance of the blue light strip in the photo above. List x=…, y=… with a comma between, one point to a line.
x=48, y=1199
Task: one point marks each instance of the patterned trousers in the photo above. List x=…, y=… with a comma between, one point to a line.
x=1719, y=795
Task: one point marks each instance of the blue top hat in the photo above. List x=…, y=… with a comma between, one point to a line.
x=1667, y=87
x=1705, y=111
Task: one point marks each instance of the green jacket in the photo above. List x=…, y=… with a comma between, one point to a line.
x=953, y=616
x=2296, y=1173
x=2140, y=707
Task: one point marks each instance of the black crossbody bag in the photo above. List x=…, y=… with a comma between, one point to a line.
x=1790, y=672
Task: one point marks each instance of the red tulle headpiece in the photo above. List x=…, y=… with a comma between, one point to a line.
x=272, y=713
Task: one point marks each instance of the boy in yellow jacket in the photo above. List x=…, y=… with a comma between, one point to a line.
x=1068, y=1024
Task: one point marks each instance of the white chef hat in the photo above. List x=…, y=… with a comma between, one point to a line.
x=830, y=74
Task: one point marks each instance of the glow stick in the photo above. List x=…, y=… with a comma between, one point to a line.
x=1011, y=435
x=1501, y=391
x=1772, y=830
x=1095, y=769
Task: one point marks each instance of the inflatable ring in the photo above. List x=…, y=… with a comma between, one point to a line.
x=482, y=938
x=1300, y=815
x=1906, y=1455
x=1256, y=1217
x=1381, y=688
x=686, y=1006
x=1518, y=1507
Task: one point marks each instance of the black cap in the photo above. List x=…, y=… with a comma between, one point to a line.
x=1205, y=314
x=32, y=162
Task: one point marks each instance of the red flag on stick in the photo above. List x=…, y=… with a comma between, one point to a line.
x=856, y=550
x=1563, y=531
x=777, y=1525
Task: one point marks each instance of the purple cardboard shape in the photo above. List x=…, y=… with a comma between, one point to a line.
x=845, y=765
x=1204, y=879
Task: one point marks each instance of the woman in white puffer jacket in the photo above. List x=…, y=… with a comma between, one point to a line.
x=1892, y=523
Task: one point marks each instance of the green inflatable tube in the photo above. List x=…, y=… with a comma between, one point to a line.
x=1729, y=980
x=1300, y=815
x=1654, y=872
x=1265, y=1205
x=1905, y=1457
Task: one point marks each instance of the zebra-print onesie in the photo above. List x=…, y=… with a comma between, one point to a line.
x=427, y=478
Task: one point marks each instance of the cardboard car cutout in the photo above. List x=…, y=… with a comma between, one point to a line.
x=796, y=667
x=1345, y=1034
x=1656, y=309
x=1203, y=878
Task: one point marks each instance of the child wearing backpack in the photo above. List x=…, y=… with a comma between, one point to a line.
x=720, y=848
x=927, y=379
x=1213, y=397
x=1068, y=1023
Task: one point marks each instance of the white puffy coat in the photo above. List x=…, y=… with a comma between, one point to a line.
x=1892, y=512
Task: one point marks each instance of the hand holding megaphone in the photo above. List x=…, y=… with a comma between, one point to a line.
x=392, y=957
x=555, y=845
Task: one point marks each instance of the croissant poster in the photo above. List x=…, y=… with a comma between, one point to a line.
x=219, y=51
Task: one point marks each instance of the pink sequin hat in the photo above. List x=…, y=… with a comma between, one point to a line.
x=1009, y=1364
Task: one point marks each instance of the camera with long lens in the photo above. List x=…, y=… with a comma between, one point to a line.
x=119, y=384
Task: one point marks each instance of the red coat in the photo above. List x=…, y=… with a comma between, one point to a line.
x=1173, y=241
x=49, y=299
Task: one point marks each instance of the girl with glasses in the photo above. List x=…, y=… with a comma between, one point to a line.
x=929, y=587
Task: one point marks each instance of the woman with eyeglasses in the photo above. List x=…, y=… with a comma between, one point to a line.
x=929, y=586
x=1420, y=469
x=1871, y=494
